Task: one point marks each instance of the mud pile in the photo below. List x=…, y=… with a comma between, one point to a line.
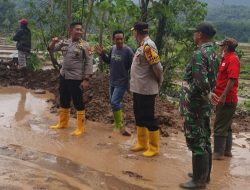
x=96, y=98
x=97, y=102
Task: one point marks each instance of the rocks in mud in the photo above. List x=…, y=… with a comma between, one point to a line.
x=132, y=174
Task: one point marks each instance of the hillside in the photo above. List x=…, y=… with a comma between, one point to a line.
x=216, y=3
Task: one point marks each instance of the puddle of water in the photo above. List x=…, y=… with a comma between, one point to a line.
x=18, y=103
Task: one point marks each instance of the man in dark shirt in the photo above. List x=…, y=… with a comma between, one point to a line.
x=23, y=39
x=119, y=59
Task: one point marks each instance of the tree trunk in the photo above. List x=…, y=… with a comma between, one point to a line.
x=161, y=28
x=144, y=10
x=82, y=11
x=91, y=4
x=69, y=13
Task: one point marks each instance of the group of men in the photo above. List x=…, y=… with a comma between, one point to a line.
x=206, y=83
x=146, y=76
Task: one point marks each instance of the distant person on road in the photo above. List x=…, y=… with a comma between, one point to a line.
x=23, y=45
x=119, y=59
x=77, y=68
x=146, y=79
x=226, y=94
x=198, y=83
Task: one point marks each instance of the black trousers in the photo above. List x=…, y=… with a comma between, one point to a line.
x=70, y=89
x=144, y=110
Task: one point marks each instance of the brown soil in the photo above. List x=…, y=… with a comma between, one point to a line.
x=96, y=99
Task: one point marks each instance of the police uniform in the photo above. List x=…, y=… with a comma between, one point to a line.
x=146, y=78
x=77, y=65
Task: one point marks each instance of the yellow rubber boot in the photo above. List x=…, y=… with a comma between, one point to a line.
x=154, y=144
x=142, y=139
x=64, y=115
x=80, y=120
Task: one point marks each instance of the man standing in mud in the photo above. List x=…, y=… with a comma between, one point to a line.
x=119, y=59
x=226, y=93
x=195, y=106
x=77, y=68
x=146, y=79
x=23, y=45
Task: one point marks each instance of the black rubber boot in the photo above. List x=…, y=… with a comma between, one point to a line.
x=210, y=163
x=200, y=172
x=229, y=142
x=219, y=147
x=209, y=166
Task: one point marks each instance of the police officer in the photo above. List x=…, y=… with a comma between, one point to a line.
x=146, y=78
x=199, y=81
x=77, y=68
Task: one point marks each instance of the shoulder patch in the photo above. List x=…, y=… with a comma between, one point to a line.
x=151, y=55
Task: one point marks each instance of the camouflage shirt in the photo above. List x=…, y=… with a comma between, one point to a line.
x=199, y=80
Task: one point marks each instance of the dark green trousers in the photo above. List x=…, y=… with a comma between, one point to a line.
x=223, y=119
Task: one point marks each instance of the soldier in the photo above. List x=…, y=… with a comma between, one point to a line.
x=199, y=81
x=23, y=45
x=74, y=76
x=226, y=93
x=146, y=79
x=119, y=59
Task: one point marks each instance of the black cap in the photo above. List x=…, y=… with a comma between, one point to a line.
x=140, y=26
x=205, y=28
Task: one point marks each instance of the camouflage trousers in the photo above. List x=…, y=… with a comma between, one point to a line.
x=197, y=132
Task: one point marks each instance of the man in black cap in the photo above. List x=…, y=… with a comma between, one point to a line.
x=198, y=83
x=226, y=93
x=146, y=79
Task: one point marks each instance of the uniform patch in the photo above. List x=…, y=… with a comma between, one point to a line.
x=90, y=51
x=151, y=55
x=223, y=64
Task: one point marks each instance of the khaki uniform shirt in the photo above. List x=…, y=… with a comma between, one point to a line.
x=77, y=59
x=146, y=78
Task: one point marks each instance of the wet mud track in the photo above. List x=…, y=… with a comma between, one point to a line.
x=38, y=170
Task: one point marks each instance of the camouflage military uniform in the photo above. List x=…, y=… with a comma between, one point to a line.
x=199, y=80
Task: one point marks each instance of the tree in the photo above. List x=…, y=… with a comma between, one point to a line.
x=7, y=16
x=169, y=21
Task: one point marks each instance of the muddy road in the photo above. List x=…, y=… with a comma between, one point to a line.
x=38, y=158
x=34, y=157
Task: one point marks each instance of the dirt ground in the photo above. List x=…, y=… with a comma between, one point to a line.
x=96, y=99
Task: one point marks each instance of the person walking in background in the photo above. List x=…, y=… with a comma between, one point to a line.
x=23, y=45
x=119, y=59
x=146, y=79
x=195, y=107
x=226, y=94
x=77, y=68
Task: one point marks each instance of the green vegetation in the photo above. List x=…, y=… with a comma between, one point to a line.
x=33, y=62
x=8, y=15
x=245, y=71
